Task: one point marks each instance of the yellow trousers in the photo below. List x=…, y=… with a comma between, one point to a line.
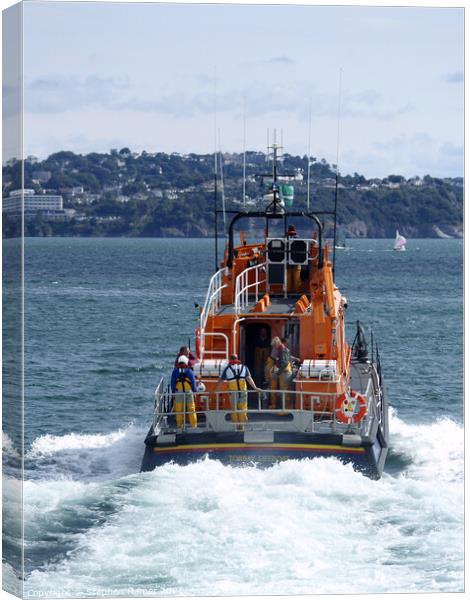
x=240, y=404
x=281, y=382
x=261, y=356
x=184, y=402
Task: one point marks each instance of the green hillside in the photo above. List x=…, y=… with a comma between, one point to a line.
x=128, y=194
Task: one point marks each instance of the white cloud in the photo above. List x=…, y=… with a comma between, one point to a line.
x=456, y=77
x=146, y=80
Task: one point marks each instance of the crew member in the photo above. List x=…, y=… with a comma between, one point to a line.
x=293, y=359
x=183, y=386
x=293, y=271
x=291, y=231
x=262, y=348
x=237, y=375
x=279, y=367
x=185, y=351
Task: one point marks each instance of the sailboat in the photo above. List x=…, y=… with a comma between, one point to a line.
x=340, y=242
x=400, y=242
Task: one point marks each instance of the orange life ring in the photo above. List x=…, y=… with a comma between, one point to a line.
x=344, y=410
x=197, y=335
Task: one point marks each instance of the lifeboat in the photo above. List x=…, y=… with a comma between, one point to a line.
x=327, y=399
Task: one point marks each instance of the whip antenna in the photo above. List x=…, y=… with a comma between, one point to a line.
x=308, y=152
x=222, y=189
x=215, y=168
x=337, y=168
x=244, y=152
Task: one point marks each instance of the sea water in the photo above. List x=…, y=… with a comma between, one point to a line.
x=104, y=319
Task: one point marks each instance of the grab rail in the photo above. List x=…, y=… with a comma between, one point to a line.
x=307, y=417
x=242, y=286
x=221, y=353
x=213, y=297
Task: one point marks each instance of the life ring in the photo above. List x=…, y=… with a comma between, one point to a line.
x=345, y=409
x=197, y=335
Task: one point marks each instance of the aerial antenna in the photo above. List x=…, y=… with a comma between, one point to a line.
x=215, y=168
x=308, y=152
x=222, y=183
x=244, y=152
x=337, y=167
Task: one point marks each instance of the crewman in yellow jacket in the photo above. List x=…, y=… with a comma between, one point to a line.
x=237, y=375
x=183, y=385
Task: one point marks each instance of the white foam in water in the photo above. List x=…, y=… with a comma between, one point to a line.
x=311, y=526
x=51, y=444
x=11, y=583
x=88, y=456
x=8, y=448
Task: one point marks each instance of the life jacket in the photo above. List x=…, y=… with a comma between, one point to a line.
x=235, y=374
x=183, y=382
x=285, y=361
x=281, y=358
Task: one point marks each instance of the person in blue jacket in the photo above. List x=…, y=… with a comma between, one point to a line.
x=183, y=386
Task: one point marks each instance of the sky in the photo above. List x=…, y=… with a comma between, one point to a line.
x=147, y=76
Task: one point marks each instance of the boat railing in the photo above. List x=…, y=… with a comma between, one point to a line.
x=213, y=298
x=280, y=410
x=243, y=287
x=213, y=353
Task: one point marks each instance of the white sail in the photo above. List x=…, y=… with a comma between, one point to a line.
x=400, y=242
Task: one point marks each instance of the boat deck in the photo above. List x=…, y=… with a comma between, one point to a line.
x=280, y=305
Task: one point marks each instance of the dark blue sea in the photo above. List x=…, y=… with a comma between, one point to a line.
x=103, y=320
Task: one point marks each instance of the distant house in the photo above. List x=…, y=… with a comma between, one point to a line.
x=89, y=198
x=171, y=194
x=66, y=192
x=42, y=176
x=329, y=182
x=139, y=196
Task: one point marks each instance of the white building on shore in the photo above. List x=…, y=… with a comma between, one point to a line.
x=49, y=205
x=32, y=202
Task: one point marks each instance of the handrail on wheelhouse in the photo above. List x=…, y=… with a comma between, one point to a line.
x=267, y=216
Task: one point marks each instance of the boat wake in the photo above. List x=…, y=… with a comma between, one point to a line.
x=86, y=456
x=310, y=526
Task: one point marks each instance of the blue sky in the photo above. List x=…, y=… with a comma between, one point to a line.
x=104, y=75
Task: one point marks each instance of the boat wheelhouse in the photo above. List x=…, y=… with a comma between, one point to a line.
x=335, y=403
